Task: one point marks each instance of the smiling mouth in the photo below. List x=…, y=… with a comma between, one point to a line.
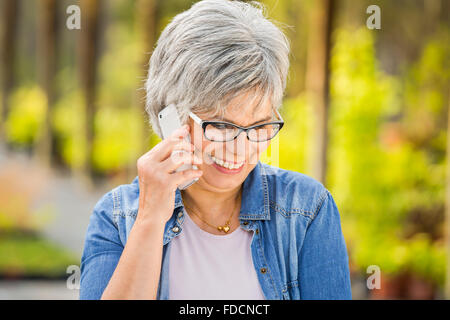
x=226, y=164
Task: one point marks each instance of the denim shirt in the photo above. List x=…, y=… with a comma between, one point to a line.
x=298, y=248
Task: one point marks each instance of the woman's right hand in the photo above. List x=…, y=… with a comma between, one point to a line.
x=157, y=179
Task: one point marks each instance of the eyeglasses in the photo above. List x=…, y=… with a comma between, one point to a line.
x=222, y=131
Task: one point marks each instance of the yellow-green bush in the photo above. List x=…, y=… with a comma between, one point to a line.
x=27, y=108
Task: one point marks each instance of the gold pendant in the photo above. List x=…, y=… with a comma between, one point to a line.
x=225, y=228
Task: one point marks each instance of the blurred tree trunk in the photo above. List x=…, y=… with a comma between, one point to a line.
x=291, y=13
x=89, y=52
x=298, y=10
x=9, y=15
x=317, y=80
x=46, y=63
x=146, y=13
x=447, y=206
x=432, y=12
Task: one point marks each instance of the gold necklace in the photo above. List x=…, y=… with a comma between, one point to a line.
x=226, y=227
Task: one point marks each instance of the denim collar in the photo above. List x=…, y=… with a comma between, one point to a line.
x=255, y=196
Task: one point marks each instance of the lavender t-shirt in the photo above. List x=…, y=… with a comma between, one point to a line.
x=206, y=266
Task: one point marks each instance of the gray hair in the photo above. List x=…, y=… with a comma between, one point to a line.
x=213, y=52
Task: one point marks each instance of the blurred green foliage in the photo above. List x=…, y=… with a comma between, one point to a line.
x=28, y=107
x=380, y=175
x=68, y=121
x=117, y=142
x=24, y=251
x=32, y=256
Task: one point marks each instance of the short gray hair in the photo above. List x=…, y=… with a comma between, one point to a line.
x=213, y=52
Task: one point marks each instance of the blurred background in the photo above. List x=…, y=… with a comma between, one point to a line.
x=366, y=113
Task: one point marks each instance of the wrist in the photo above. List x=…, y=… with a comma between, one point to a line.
x=150, y=221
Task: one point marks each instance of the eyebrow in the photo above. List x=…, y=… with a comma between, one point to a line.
x=263, y=120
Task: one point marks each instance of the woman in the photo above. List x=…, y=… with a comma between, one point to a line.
x=244, y=230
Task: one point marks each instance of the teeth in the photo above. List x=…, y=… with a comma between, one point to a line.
x=227, y=164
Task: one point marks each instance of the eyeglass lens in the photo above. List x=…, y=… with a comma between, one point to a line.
x=222, y=132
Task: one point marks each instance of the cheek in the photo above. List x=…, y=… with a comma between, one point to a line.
x=201, y=144
x=256, y=150
x=205, y=148
x=261, y=147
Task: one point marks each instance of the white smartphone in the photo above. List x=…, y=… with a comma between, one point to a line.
x=169, y=121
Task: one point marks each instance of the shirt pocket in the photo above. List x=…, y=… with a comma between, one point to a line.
x=291, y=291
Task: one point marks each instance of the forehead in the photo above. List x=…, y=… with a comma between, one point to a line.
x=249, y=104
x=247, y=108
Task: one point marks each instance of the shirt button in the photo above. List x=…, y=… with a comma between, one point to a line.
x=245, y=223
x=257, y=231
x=175, y=229
x=180, y=214
x=263, y=270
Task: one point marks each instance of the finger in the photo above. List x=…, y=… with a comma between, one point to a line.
x=177, y=159
x=177, y=135
x=171, y=146
x=181, y=177
x=177, y=150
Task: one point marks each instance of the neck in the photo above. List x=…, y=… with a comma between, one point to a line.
x=214, y=207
